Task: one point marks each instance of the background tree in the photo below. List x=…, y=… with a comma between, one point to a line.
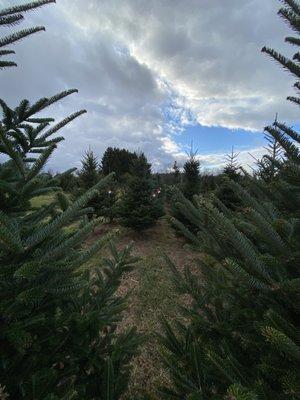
x=191, y=176
x=87, y=177
x=89, y=174
x=242, y=341
x=232, y=170
x=68, y=182
x=176, y=173
x=232, y=167
x=141, y=205
x=57, y=323
x=269, y=166
x=103, y=204
x=118, y=161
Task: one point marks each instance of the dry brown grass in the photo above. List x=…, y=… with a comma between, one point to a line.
x=151, y=297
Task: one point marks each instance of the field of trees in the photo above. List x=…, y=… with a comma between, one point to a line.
x=121, y=283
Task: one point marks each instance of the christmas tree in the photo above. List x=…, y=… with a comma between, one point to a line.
x=176, y=173
x=242, y=340
x=231, y=170
x=232, y=167
x=118, y=161
x=141, y=204
x=89, y=174
x=57, y=322
x=191, y=176
x=103, y=205
x=269, y=166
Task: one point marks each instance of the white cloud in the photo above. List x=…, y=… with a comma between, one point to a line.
x=147, y=68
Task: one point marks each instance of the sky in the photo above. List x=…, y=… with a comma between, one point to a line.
x=156, y=76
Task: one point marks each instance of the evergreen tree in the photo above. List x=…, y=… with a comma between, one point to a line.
x=242, y=341
x=290, y=13
x=141, y=205
x=189, y=188
x=12, y=16
x=57, y=323
x=103, y=205
x=191, y=176
x=232, y=171
x=88, y=176
x=118, y=161
x=270, y=164
x=232, y=167
x=89, y=173
x=68, y=182
x=176, y=173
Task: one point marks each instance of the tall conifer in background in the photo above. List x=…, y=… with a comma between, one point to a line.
x=89, y=173
x=232, y=170
x=269, y=166
x=176, y=173
x=58, y=324
x=242, y=341
x=103, y=205
x=88, y=176
x=232, y=167
x=141, y=205
x=191, y=176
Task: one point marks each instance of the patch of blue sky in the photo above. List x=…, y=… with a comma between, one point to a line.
x=218, y=139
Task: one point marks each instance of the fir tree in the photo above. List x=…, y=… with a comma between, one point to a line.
x=176, y=173
x=189, y=188
x=141, y=205
x=88, y=176
x=232, y=167
x=103, y=205
x=232, y=171
x=13, y=16
x=89, y=173
x=191, y=176
x=118, y=161
x=270, y=164
x=290, y=13
x=57, y=323
x=242, y=341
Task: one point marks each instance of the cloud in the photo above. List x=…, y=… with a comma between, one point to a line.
x=145, y=69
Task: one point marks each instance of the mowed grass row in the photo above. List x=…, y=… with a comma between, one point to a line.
x=150, y=294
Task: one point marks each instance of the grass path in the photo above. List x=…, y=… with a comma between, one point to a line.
x=151, y=297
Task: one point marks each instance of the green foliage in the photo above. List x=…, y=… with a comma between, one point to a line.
x=270, y=164
x=141, y=205
x=176, y=173
x=58, y=320
x=67, y=180
x=12, y=16
x=242, y=339
x=191, y=171
x=232, y=170
x=244, y=315
x=89, y=173
x=118, y=161
x=102, y=205
x=291, y=15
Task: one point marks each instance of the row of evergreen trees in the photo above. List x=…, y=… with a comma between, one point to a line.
x=242, y=340
x=132, y=198
x=58, y=337
x=58, y=320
